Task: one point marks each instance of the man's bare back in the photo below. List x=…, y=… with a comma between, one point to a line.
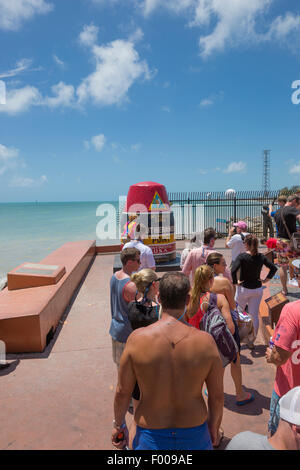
x=171, y=362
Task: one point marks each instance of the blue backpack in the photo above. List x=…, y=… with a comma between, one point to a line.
x=214, y=323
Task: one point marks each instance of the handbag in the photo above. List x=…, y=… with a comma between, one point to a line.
x=294, y=239
x=214, y=323
x=245, y=326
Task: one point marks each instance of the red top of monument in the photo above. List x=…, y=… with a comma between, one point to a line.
x=147, y=196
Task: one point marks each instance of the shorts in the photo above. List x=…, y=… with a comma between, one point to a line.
x=274, y=413
x=196, y=438
x=117, y=349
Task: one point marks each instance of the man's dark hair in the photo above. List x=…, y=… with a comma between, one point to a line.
x=129, y=254
x=293, y=197
x=282, y=199
x=209, y=233
x=173, y=290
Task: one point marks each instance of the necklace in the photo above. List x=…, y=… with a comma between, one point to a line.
x=173, y=342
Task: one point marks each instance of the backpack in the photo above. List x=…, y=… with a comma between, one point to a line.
x=140, y=314
x=214, y=323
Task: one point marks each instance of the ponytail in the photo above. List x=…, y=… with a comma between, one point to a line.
x=252, y=244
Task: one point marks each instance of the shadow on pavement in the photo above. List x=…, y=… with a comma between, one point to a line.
x=253, y=408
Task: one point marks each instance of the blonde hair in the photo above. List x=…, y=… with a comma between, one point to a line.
x=203, y=275
x=143, y=278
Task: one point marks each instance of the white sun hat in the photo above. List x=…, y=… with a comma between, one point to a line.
x=290, y=406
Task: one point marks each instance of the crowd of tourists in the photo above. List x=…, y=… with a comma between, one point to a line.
x=173, y=337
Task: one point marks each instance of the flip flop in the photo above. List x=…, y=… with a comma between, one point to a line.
x=221, y=431
x=245, y=402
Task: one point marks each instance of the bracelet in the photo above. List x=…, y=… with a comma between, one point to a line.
x=117, y=426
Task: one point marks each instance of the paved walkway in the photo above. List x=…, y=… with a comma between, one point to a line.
x=63, y=397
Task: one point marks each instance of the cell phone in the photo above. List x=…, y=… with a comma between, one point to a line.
x=120, y=437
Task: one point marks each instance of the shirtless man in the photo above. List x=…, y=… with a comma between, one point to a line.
x=170, y=361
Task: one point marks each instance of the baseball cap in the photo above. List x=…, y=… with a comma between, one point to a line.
x=241, y=224
x=290, y=406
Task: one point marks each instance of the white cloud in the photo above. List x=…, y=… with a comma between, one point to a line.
x=7, y=153
x=235, y=167
x=20, y=100
x=206, y=102
x=295, y=168
x=118, y=66
x=231, y=22
x=64, y=95
x=166, y=109
x=283, y=26
x=8, y=158
x=174, y=5
x=58, y=61
x=136, y=147
x=98, y=142
x=23, y=182
x=14, y=12
x=21, y=66
x=89, y=35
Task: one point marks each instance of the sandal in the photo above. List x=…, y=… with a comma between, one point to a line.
x=245, y=402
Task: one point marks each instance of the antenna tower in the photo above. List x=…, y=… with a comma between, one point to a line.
x=266, y=171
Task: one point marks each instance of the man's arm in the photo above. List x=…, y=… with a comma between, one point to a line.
x=126, y=383
x=214, y=384
x=231, y=233
x=277, y=355
x=235, y=267
x=187, y=267
x=224, y=308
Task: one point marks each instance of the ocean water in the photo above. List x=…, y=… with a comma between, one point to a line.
x=31, y=231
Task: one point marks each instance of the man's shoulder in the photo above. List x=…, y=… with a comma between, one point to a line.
x=291, y=309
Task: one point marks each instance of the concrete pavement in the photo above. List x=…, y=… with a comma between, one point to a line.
x=63, y=398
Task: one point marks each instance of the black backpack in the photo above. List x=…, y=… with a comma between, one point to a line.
x=140, y=314
x=214, y=323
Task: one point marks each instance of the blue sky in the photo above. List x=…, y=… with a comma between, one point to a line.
x=102, y=94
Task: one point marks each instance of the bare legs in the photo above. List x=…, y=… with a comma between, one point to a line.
x=236, y=374
x=283, y=278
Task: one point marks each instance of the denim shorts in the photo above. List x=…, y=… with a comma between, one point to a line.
x=274, y=413
x=196, y=438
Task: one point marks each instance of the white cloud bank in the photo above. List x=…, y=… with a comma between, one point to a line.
x=295, y=168
x=23, y=182
x=231, y=22
x=235, y=167
x=118, y=66
x=14, y=12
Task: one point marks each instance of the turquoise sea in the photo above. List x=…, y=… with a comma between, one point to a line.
x=31, y=231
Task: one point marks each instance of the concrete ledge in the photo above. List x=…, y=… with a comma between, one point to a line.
x=28, y=316
x=108, y=249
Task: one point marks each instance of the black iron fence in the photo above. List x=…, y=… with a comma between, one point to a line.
x=195, y=211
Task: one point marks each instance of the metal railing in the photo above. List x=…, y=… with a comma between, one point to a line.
x=195, y=211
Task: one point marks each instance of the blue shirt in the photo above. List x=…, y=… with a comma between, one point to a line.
x=120, y=327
